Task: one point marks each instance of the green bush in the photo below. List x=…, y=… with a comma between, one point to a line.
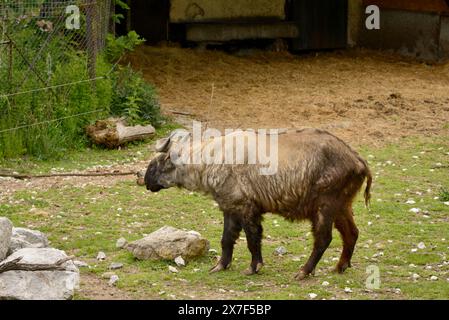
x=134, y=99
x=118, y=46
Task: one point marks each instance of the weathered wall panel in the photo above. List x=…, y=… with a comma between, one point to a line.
x=409, y=33
x=444, y=37
x=430, y=6
x=207, y=10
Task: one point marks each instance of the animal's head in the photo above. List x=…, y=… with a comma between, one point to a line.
x=161, y=172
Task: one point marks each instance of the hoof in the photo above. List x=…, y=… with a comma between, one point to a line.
x=217, y=268
x=250, y=271
x=342, y=267
x=301, y=275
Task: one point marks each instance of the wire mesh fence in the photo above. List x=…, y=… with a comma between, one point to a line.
x=39, y=36
x=53, y=78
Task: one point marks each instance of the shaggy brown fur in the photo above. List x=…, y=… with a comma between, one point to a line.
x=317, y=179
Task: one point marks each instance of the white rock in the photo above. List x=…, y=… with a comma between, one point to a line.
x=121, y=243
x=348, y=290
x=416, y=276
x=167, y=243
x=280, y=250
x=39, y=285
x=101, y=256
x=5, y=236
x=113, y=280
x=312, y=295
x=180, y=261
x=421, y=245
x=172, y=269
x=415, y=210
x=433, y=278
x=325, y=283
x=410, y=201
x=446, y=203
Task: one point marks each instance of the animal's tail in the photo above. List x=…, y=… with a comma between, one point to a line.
x=369, y=181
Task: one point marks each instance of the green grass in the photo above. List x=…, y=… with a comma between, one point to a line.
x=85, y=220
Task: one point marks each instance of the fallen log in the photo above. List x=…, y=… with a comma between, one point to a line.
x=114, y=132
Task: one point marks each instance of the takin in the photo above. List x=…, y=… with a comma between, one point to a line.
x=317, y=179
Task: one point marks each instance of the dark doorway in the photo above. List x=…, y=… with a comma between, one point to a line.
x=322, y=24
x=150, y=18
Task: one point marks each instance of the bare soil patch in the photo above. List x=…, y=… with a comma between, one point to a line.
x=365, y=97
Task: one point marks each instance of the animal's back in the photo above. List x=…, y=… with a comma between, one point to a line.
x=311, y=163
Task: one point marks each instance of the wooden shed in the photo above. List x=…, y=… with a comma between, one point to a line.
x=410, y=27
x=318, y=24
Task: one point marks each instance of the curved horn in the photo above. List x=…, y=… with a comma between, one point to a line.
x=162, y=145
x=176, y=136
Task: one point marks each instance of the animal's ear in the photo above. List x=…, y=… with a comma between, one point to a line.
x=179, y=135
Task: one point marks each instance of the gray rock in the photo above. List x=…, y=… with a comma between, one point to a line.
x=121, y=243
x=81, y=264
x=5, y=236
x=26, y=238
x=39, y=285
x=115, y=266
x=280, y=251
x=167, y=243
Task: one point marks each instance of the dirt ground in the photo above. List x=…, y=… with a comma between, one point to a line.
x=365, y=97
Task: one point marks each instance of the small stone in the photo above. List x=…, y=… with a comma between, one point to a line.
x=107, y=275
x=280, y=251
x=433, y=278
x=115, y=266
x=410, y=201
x=121, y=243
x=348, y=290
x=172, y=269
x=325, y=283
x=312, y=295
x=180, y=261
x=421, y=245
x=416, y=276
x=81, y=264
x=113, y=280
x=213, y=251
x=101, y=256
x=415, y=210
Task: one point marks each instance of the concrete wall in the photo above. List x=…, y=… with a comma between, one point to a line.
x=413, y=34
x=209, y=10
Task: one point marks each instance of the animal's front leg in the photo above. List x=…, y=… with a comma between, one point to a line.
x=231, y=232
x=253, y=229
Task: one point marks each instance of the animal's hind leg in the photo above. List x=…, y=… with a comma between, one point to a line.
x=322, y=233
x=349, y=234
x=231, y=231
x=253, y=229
